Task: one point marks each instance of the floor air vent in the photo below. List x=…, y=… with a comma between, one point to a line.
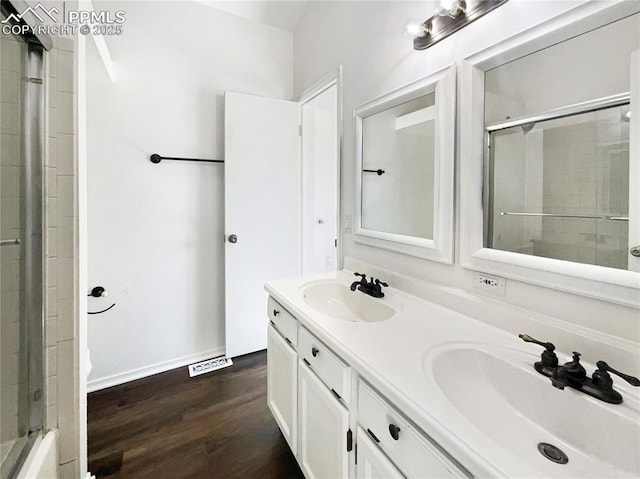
x=209, y=365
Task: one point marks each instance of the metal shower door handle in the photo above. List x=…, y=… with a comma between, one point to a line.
x=635, y=251
x=233, y=238
x=9, y=242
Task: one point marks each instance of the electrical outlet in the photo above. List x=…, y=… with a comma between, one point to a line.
x=488, y=283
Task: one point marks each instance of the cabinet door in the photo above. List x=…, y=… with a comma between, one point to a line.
x=282, y=386
x=324, y=423
x=372, y=463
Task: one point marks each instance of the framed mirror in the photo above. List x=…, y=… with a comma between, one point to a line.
x=553, y=132
x=405, y=161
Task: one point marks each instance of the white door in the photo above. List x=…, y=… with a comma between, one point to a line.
x=324, y=423
x=372, y=463
x=282, y=386
x=262, y=198
x=320, y=154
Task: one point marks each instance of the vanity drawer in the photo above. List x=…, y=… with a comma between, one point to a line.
x=286, y=324
x=415, y=455
x=329, y=367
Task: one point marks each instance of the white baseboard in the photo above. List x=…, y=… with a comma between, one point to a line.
x=125, y=377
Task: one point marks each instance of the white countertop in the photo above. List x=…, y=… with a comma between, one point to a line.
x=390, y=355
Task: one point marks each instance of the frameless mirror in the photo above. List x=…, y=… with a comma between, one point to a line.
x=405, y=162
x=553, y=130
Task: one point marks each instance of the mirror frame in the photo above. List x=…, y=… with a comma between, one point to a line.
x=620, y=286
x=441, y=247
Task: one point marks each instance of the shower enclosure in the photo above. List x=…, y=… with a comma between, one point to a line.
x=561, y=185
x=21, y=245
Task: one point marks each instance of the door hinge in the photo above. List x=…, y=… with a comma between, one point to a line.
x=356, y=453
x=335, y=242
x=349, y=440
x=299, y=130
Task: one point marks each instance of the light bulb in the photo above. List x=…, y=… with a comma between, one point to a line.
x=415, y=29
x=451, y=8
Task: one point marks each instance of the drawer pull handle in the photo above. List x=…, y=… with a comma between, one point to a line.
x=276, y=312
x=373, y=436
x=314, y=352
x=394, y=431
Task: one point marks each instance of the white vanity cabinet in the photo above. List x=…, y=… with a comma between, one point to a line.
x=324, y=429
x=372, y=463
x=413, y=454
x=313, y=396
x=323, y=394
x=282, y=372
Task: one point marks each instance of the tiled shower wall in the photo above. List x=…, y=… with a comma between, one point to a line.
x=586, y=172
x=61, y=251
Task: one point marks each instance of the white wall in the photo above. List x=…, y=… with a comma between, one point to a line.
x=156, y=230
x=366, y=38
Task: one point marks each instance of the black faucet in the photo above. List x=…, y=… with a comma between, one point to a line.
x=372, y=288
x=572, y=374
x=569, y=374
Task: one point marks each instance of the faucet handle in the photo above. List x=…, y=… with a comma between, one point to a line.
x=380, y=283
x=603, y=368
x=528, y=339
x=548, y=359
x=363, y=276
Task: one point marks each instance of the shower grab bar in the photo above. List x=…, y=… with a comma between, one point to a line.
x=558, y=215
x=9, y=242
x=155, y=158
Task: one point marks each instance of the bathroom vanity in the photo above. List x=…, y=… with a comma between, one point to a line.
x=402, y=386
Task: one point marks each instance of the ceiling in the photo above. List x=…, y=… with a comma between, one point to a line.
x=283, y=14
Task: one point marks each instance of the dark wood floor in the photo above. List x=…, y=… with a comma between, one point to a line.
x=213, y=426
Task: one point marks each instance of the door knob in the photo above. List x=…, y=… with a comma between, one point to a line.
x=233, y=238
x=635, y=251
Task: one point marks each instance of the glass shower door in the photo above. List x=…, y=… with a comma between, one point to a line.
x=21, y=255
x=560, y=186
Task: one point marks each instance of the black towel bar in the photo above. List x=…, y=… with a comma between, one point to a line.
x=155, y=158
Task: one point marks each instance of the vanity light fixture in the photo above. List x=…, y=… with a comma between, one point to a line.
x=450, y=16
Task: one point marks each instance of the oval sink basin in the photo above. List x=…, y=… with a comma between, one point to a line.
x=501, y=394
x=337, y=300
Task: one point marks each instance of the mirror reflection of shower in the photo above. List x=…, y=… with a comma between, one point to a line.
x=557, y=155
x=570, y=198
